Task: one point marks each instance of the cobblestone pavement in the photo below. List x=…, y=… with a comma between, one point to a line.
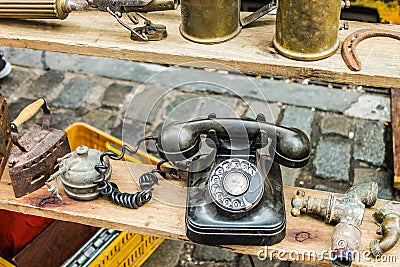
x=349, y=127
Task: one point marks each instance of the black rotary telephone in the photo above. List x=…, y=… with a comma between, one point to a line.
x=235, y=191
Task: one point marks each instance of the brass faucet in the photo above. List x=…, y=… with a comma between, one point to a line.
x=388, y=216
x=346, y=212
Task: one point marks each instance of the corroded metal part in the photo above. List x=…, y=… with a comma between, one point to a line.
x=34, y=9
x=349, y=54
x=153, y=32
x=215, y=21
x=124, y=6
x=5, y=134
x=210, y=21
x=307, y=30
x=77, y=173
x=346, y=212
x=59, y=9
x=388, y=216
x=34, y=157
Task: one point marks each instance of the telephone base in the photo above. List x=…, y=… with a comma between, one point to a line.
x=264, y=224
x=252, y=237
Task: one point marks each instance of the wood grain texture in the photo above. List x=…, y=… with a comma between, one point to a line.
x=55, y=245
x=396, y=135
x=98, y=34
x=164, y=216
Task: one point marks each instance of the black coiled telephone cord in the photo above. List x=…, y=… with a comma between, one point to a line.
x=146, y=180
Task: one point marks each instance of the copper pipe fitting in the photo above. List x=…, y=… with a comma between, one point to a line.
x=388, y=216
x=346, y=212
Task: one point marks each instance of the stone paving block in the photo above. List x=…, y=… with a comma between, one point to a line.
x=210, y=253
x=74, y=93
x=369, y=142
x=315, y=96
x=115, y=95
x=336, y=124
x=101, y=66
x=223, y=107
x=23, y=56
x=203, y=87
x=100, y=118
x=183, y=108
x=146, y=103
x=244, y=261
x=167, y=254
x=61, y=119
x=45, y=84
x=372, y=107
x=332, y=159
x=16, y=82
x=300, y=118
x=271, y=111
x=363, y=175
x=289, y=175
x=129, y=131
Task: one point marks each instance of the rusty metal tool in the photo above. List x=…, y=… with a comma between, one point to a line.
x=153, y=32
x=34, y=157
x=60, y=9
x=388, y=218
x=346, y=212
x=350, y=43
x=5, y=134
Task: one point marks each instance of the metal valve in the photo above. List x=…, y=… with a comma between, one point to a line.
x=77, y=174
x=347, y=212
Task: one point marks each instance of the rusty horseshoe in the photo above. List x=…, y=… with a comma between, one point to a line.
x=349, y=45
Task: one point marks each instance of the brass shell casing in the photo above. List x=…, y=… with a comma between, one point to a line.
x=210, y=21
x=34, y=9
x=306, y=29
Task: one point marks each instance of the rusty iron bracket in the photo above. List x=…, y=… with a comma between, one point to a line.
x=349, y=45
x=153, y=32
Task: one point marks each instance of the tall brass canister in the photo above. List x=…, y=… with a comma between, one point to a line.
x=210, y=21
x=307, y=29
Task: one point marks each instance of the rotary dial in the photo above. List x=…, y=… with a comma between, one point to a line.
x=236, y=185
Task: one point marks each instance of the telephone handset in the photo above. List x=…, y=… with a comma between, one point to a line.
x=237, y=197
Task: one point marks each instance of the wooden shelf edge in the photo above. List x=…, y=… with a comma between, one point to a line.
x=250, y=52
x=166, y=220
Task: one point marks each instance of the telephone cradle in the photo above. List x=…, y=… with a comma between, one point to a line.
x=235, y=192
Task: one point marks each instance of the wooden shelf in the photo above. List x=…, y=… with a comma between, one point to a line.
x=98, y=34
x=160, y=218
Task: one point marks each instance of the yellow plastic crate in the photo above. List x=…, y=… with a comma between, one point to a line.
x=4, y=263
x=127, y=249
x=84, y=134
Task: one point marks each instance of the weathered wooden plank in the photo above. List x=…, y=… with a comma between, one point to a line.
x=98, y=34
x=396, y=135
x=165, y=216
x=66, y=237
